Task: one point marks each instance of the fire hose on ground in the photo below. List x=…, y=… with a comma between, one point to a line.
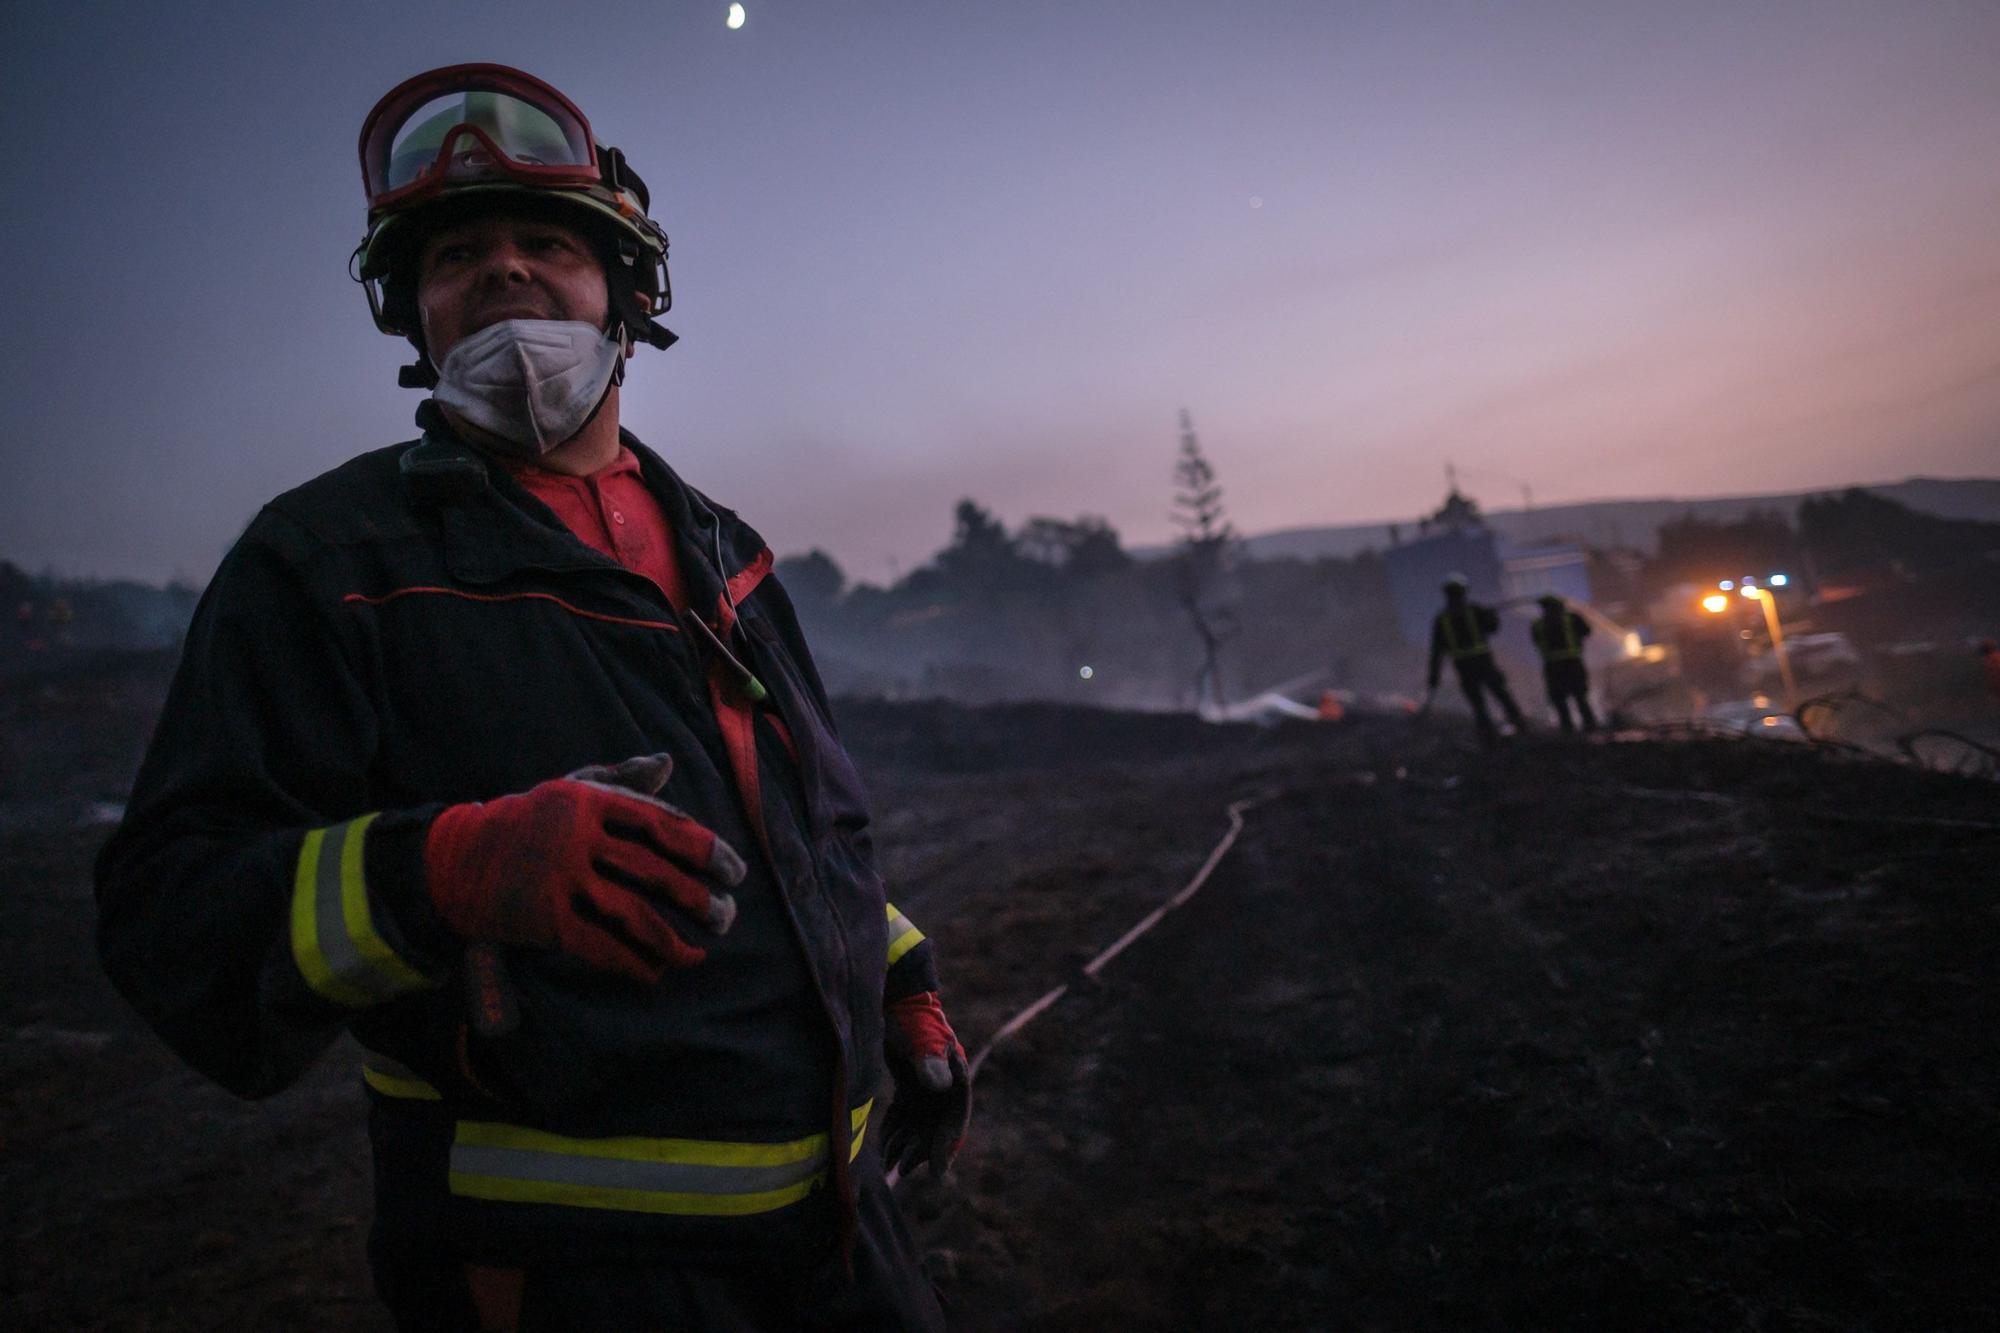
x=1096, y=965
x=1123, y=942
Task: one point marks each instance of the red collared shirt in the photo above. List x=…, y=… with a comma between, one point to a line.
x=612, y=512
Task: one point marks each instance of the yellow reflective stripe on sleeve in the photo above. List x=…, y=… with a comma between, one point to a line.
x=903, y=936
x=335, y=942
x=393, y=1080
x=360, y=920
x=306, y=951
x=696, y=1177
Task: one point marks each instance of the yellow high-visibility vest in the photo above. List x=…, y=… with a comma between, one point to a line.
x=1455, y=647
x=1568, y=650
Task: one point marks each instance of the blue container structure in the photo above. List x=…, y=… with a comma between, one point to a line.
x=1498, y=573
x=1417, y=569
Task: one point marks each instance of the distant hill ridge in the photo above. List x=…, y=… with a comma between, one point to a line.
x=1633, y=523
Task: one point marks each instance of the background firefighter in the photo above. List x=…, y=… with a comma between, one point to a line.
x=1462, y=632
x=1559, y=634
x=503, y=750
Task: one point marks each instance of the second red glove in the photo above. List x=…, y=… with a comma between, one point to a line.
x=927, y=1121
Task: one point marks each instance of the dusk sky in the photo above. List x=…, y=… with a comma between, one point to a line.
x=936, y=248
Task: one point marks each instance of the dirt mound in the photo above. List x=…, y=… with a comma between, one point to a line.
x=1635, y=1035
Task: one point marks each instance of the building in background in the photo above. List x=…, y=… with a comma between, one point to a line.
x=1528, y=573
x=1498, y=573
x=1454, y=540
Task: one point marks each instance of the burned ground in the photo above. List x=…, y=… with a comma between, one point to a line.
x=1638, y=1035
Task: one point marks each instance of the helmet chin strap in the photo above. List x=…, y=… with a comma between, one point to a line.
x=616, y=328
x=419, y=374
x=617, y=378
x=639, y=325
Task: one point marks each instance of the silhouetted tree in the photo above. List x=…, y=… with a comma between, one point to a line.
x=1085, y=548
x=1859, y=532
x=1202, y=558
x=1097, y=550
x=1198, y=498
x=1694, y=549
x=812, y=579
x=981, y=557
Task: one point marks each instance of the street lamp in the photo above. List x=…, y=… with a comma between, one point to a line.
x=1763, y=597
x=1716, y=603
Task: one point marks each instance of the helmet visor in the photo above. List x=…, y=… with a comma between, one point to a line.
x=471, y=124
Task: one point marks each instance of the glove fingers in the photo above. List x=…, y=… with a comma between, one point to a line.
x=659, y=827
x=616, y=960
x=610, y=951
x=932, y=1130
x=660, y=882
x=893, y=1144
x=645, y=773
x=908, y=1154
x=899, y=1134
x=940, y=1148
x=631, y=924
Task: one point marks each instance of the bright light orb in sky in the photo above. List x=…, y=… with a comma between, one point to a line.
x=735, y=17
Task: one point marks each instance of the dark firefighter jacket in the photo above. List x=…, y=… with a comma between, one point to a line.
x=412, y=630
x=1560, y=640
x=1463, y=636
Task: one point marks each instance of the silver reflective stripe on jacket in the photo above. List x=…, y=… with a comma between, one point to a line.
x=336, y=943
x=694, y=1177
x=903, y=936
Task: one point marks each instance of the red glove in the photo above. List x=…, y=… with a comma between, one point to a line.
x=933, y=1106
x=593, y=864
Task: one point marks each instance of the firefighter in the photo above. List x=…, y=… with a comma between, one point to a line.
x=502, y=750
x=1559, y=634
x=1462, y=632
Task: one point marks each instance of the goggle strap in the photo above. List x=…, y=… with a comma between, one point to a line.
x=612, y=167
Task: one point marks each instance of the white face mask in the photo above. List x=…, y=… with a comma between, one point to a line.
x=532, y=382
